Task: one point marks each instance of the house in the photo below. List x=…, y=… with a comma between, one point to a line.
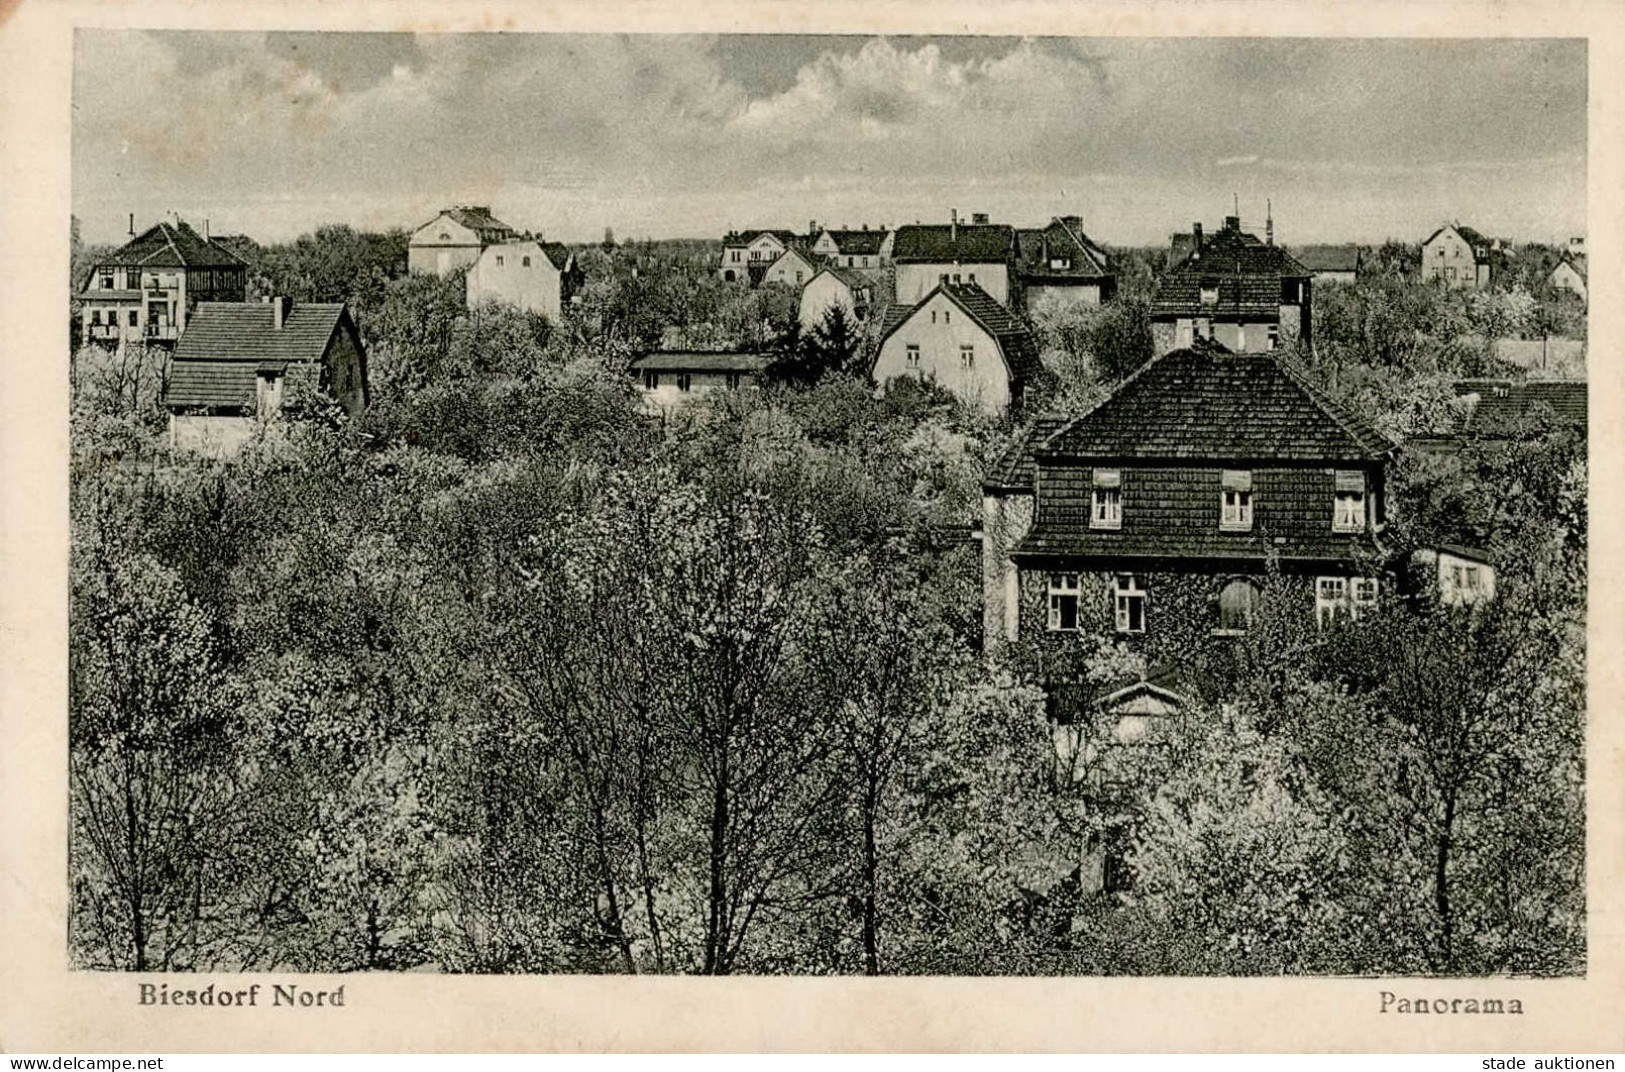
x=1249, y=296
x=862, y=248
x=1331, y=264
x=1059, y=263
x=854, y=289
x=672, y=378
x=145, y=290
x=928, y=255
x=1157, y=516
x=527, y=273
x=745, y=250
x=1569, y=274
x=236, y=362
x=1457, y=256
x=965, y=341
x=454, y=239
x=1461, y=576
x=793, y=268
x=1505, y=409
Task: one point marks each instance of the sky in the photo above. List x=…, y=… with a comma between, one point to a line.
x=690, y=136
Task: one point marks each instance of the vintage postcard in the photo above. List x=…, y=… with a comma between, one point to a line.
x=811, y=527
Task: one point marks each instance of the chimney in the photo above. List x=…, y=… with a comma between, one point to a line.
x=978, y=217
x=812, y=228
x=1196, y=236
x=205, y=228
x=279, y=310
x=953, y=224
x=1232, y=223
x=1269, y=223
x=132, y=225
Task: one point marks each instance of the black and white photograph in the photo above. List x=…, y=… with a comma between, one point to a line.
x=827, y=504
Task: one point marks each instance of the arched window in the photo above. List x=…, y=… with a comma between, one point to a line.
x=1238, y=603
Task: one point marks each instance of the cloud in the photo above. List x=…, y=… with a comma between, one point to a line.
x=1236, y=161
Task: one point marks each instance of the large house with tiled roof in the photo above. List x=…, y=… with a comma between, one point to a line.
x=862, y=248
x=1157, y=516
x=1060, y=263
x=236, y=362
x=746, y=255
x=962, y=339
x=1458, y=256
x=144, y=290
x=955, y=253
x=455, y=238
x=1247, y=295
x=526, y=273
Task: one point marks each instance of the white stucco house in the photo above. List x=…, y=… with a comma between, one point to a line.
x=963, y=340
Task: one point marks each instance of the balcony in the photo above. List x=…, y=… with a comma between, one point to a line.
x=161, y=332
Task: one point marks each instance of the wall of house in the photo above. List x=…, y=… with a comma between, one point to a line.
x=1564, y=277
x=915, y=281
x=1006, y=518
x=669, y=395
x=822, y=294
x=1040, y=295
x=430, y=253
x=537, y=289
x=940, y=328
x=216, y=435
x=734, y=266
x=345, y=374
x=792, y=271
x=1449, y=258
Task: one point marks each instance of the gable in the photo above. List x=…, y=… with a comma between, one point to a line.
x=766, y=242
x=444, y=230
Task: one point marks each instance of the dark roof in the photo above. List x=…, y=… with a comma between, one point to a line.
x=1217, y=406
x=703, y=361
x=225, y=344
x=1246, y=273
x=966, y=243
x=1037, y=246
x=746, y=237
x=757, y=272
x=167, y=245
x=1328, y=258
x=892, y=318
x=1017, y=466
x=1503, y=405
x=1480, y=245
x=858, y=243
x=477, y=218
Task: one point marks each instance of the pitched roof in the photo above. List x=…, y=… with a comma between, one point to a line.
x=1480, y=245
x=1037, y=246
x=1576, y=261
x=1017, y=466
x=477, y=218
x=892, y=318
x=225, y=344
x=1014, y=338
x=1504, y=406
x=1213, y=405
x=858, y=243
x=703, y=361
x=966, y=243
x=167, y=245
x=746, y=237
x=1344, y=258
x=1245, y=272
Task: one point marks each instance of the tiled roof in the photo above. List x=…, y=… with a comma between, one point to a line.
x=1037, y=246
x=1213, y=405
x=1171, y=511
x=703, y=361
x=1017, y=466
x=1480, y=245
x=477, y=218
x=893, y=316
x=225, y=343
x=1328, y=258
x=746, y=237
x=966, y=243
x=1245, y=272
x=1013, y=336
x=1503, y=406
x=166, y=245
x=858, y=243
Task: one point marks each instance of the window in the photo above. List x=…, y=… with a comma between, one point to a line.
x=651, y=380
x=1472, y=578
x=684, y=381
x=946, y=314
x=913, y=358
x=1273, y=332
x=933, y=316
x=1331, y=598
x=1210, y=292
x=132, y=317
x=1060, y=263
x=1130, y=600
x=95, y=318
x=1348, y=507
x=943, y=278
x=736, y=256
x=733, y=381
x=499, y=260
x=973, y=277
x=1236, y=501
x=444, y=237
x=524, y=262
x=107, y=279
x=1238, y=603
x=967, y=356
x=1106, y=501
x=1365, y=596
x=798, y=277
x=956, y=279
x=1063, y=601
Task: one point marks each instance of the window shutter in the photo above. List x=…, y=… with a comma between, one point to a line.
x=1108, y=478
x=1236, y=480
x=1350, y=480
